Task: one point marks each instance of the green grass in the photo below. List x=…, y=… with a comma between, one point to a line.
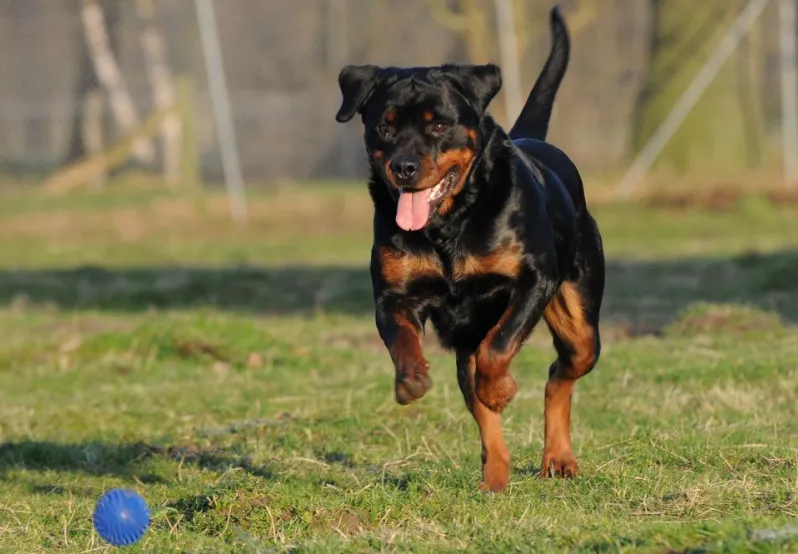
x=234, y=377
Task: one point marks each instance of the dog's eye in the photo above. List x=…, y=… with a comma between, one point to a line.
x=438, y=129
x=384, y=130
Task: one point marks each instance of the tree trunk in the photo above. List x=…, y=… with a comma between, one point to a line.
x=87, y=88
x=163, y=89
x=110, y=77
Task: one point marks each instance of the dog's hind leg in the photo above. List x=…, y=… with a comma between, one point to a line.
x=573, y=318
x=495, y=455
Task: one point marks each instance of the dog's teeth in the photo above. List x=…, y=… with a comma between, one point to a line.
x=436, y=191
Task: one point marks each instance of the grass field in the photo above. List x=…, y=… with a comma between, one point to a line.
x=234, y=378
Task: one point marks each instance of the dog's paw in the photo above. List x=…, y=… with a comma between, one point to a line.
x=495, y=477
x=412, y=380
x=495, y=392
x=560, y=464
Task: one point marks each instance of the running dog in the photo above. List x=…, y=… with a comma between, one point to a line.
x=483, y=233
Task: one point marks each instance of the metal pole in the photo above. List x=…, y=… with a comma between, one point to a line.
x=508, y=50
x=689, y=97
x=789, y=91
x=221, y=109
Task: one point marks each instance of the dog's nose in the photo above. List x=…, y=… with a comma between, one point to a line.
x=406, y=168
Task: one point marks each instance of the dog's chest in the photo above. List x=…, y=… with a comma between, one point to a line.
x=460, y=272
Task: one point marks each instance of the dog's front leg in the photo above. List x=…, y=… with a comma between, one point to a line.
x=401, y=330
x=494, y=385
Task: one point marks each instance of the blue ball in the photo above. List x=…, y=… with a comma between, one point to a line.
x=121, y=517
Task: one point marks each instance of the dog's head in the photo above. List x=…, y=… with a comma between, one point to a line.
x=421, y=129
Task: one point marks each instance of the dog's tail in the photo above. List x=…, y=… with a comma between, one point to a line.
x=534, y=119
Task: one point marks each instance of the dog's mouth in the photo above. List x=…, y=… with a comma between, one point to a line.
x=416, y=206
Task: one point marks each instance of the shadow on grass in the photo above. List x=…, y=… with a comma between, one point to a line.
x=135, y=462
x=643, y=294
x=129, y=461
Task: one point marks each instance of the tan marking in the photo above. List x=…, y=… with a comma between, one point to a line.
x=390, y=175
x=433, y=170
x=399, y=269
x=504, y=261
x=430, y=173
x=428, y=116
x=407, y=343
x=558, y=451
x=565, y=316
x=495, y=454
x=390, y=116
x=378, y=154
x=446, y=205
x=472, y=134
x=491, y=363
x=427, y=168
x=463, y=158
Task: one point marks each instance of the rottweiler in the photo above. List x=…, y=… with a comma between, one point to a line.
x=483, y=233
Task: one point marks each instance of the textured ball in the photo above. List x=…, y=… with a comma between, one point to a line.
x=121, y=517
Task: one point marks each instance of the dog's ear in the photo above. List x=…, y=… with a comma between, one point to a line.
x=478, y=83
x=357, y=84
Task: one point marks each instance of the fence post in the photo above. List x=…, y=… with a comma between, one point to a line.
x=221, y=109
x=789, y=91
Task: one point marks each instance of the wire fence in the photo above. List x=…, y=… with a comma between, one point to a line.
x=63, y=64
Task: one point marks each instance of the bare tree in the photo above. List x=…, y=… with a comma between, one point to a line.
x=163, y=88
x=110, y=76
x=87, y=123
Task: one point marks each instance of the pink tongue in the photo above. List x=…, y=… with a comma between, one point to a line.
x=413, y=210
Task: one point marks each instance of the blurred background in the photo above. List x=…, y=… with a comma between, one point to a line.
x=145, y=137
x=631, y=61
